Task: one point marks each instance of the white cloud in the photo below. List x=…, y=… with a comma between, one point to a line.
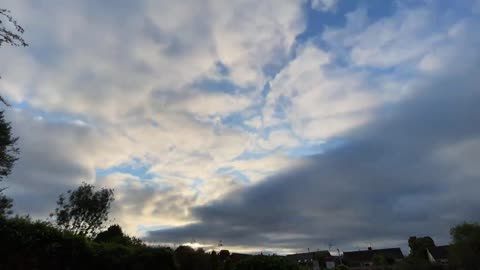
x=126, y=76
x=320, y=99
x=324, y=5
x=153, y=202
x=320, y=103
x=126, y=80
x=209, y=104
x=279, y=139
x=388, y=42
x=169, y=48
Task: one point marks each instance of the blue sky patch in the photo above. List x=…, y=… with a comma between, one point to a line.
x=134, y=167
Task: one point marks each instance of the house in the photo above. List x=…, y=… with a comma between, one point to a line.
x=313, y=260
x=330, y=262
x=301, y=257
x=364, y=259
x=236, y=257
x=438, y=255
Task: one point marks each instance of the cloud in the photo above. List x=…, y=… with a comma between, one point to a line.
x=406, y=170
x=52, y=161
x=148, y=202
x=118, y=82
x=406, y=173
x=168, y=46
x=317, y=101
x=324, y=5
x=191, y=92
x=210, y=104
x=388, y=42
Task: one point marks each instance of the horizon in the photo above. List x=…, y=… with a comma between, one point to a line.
x=277, y=126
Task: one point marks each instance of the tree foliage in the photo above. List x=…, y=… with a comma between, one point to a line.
x=5, y=205
x=341, y=267
x=30, y=244
x=8, y=147
x=83, y=211
x=213, y=260
x=185, y=257
x=262, y=262
x=418, y=246
x=223, y=255
x=114, y=234
x=464, y=252
x=8, y=143
x=10, y=35
x=8, y=155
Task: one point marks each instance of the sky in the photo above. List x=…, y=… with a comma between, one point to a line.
x=276, y=125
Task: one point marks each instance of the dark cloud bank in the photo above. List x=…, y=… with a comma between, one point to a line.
x=51, y=162
x=411, y=171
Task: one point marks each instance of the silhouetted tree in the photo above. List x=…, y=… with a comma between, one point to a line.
x=262, y=262
x=185, y=255
x=214, y=260
x=114, y=234
x=418, y=246
x=27, y=244
x=417, y=259
x=5, y=205
x=223, y=255
x=227, y=265
x=202, y=260
x=464, y=252
x=153, y=258
x=8, y=149
x=84, y=211
x=10, y=35
x=8, y=155
x=341, y=267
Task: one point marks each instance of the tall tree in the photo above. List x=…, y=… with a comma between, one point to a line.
x=464, y=253
x=8, y=147
x=8, y=155
x=85, y=210
x=10, y=34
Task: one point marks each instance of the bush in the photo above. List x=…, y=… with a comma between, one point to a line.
x=30, y=244
x=262, y=262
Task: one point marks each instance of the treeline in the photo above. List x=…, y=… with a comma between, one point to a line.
x=27, y=244
x=74, y=239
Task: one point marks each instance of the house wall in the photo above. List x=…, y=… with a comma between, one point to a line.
x=430, y=257
x=330, y=265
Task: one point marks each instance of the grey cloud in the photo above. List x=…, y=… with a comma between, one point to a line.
x=389, y=181
x=49, y=163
